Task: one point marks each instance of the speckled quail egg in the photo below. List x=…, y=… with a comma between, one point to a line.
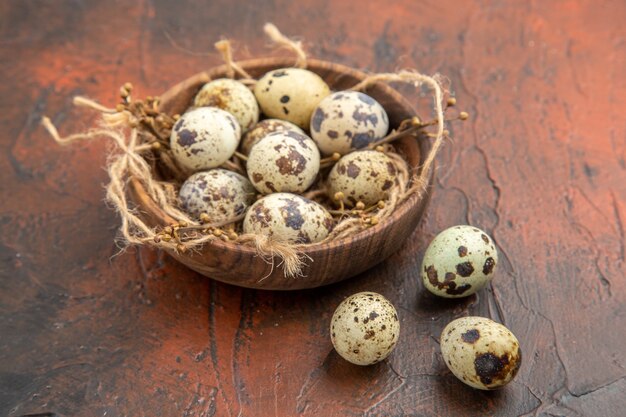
x=480, y=352
x=290, y=94
x=288, y=218
x=223, y=195
x=348, y=120
x=459, y=261
x=365, y=328
x=283, y=162
x=365, y=176
x=264, y=128
x=231, y=96
x=204, y=138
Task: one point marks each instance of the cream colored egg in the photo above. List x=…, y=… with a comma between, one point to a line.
x=231, y=96
x=288, y=218
x=264, y=128
x=365, y=328
x=348, y=120
x=366, y=176
x=290, y=94
x=223, y=195
x=480, y=352
x=283, y=162
x=204, y=138
x=458, y=262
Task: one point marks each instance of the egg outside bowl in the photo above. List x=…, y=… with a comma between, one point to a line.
x=325, y=263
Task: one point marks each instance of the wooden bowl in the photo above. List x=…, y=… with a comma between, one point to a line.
x=328, y=262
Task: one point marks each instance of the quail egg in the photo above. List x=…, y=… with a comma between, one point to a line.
x=290, y=94
x=365, y=328
x=204, y=138
x=231, y=96
x=223, y=195
x=348, y=120
x=288, y=218
x=480, y=352
x=458, y=262
x=264, y=128
x=283, y=162
x=365, y=176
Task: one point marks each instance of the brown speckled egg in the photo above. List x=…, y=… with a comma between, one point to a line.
x=264, y=128
x=288, y=218
x=290, y=94
x=283, y=162
x=231, y=96
x=204, y=138
x=223, y=195
x=459, y=261
x=365, y=328
x=348, y=120
x=480, y=352
x=365, y=176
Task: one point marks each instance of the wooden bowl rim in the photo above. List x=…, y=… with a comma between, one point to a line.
x=145, y=202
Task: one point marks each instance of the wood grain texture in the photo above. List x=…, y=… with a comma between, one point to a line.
x=540, y=166
x=324, y=263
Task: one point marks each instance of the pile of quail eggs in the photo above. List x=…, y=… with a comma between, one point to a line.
x=459, y=262
x=302, y=122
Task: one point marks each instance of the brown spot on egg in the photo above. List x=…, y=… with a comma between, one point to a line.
x=284, y=99
x=491, y=368
x=261, y=214
x=292, y=164
x=302, y=139
x=471, y=336
x=291, y=214
x=186, y=137
x=465, y=269
x=333, y=134
x=431, y=273
x=278, y=74
x=285, y=110
x=387, y=185
x=454, y=290
x=369, y=334
x=373, y=315
x=488, y=266
x=256, y=177
x=484, y=238
x=364, y=117
x=366, y=99
x=450, y=276
x=462, y=251
x=318, y=117
x=353, y=170
x=348, y=133
x=270, y=185
x=361, y=140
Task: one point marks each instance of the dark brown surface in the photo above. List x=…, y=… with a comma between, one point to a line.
x=541, y=166
x=323, y=263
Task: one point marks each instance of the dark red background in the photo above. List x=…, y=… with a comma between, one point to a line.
x=85, y=330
